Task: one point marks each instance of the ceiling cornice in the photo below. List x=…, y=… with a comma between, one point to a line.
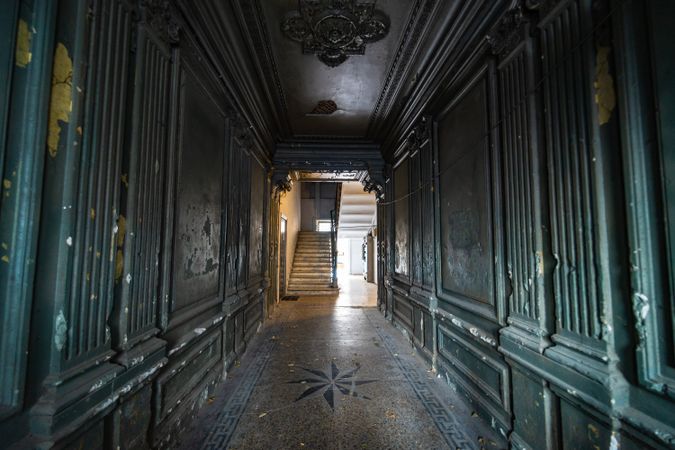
x=459, y=33
x=220, y=37
x=250, y=18
x=417, y=27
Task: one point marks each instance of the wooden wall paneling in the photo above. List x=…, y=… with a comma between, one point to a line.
x=470, y=286
x=468, y=223
x=528, y=264
x=233, y=214
x=571, y=148
x=244, y=220
x=79, y=217
x=23, y=127
x=642, y=49
x=423, y=132
x=138, y=242
x=200, y=165
x=415, y=226
x=193, y=290
x=527, y=251
x=401, y=207
x=388, y=265
x=256, y=235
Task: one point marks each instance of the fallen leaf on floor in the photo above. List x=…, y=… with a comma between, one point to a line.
x=210, y=400
x=262, y=415
x=481, y=440
x=474, y=414
x=391, y=414
x=237, y=363
x=274, y=338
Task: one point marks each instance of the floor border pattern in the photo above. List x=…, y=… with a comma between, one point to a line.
x=227, y=420
x=444, y=420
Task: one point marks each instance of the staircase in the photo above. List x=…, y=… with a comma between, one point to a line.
x=311, y=272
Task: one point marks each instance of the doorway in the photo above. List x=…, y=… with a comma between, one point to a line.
x=282, y=257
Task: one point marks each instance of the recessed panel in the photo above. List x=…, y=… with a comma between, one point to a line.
x=199, y=197
x=257, y=217
x=465, y=217
x=401, y=220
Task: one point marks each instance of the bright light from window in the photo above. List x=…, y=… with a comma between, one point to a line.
x=323, y=225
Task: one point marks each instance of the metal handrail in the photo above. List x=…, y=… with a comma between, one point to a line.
x=333, y=247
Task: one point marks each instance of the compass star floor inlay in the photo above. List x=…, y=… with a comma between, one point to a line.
x=331, y=381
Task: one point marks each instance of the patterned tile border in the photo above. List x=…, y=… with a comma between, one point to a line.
x=445, y=420
x=227, y=420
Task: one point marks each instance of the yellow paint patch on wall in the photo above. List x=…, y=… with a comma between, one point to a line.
x=23, y=55
x=119, y=265
x=605, y=97
x=92, y=214
x=6, y=184
x=5, y=259
x=61, y=101
x=121, y=230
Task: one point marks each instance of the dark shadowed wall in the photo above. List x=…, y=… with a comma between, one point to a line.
x=527, y=217
x=133, y=221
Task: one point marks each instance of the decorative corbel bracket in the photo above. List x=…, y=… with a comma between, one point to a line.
x=162, y=17
x=281, y=180
x=508, y=32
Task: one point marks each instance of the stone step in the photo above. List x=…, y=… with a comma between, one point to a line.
x=313, y=251
x=315, y=274
x=309, y=287
x=324, y=279
x=308, y=261
x=311, y=261
x=327, y=293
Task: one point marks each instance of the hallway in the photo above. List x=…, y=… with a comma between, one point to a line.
x=174, y=173
x=322, y=375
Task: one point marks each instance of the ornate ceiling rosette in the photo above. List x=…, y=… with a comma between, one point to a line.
x=335, y=29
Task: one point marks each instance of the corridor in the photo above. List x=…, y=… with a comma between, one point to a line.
x=326, y=374
x=192, y=193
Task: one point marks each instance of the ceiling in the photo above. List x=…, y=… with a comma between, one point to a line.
x=354, y=86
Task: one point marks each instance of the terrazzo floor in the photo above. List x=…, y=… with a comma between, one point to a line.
x=332, y=373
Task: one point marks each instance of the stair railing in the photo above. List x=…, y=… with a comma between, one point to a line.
x=333, y=248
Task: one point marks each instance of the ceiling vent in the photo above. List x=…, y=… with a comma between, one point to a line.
x=324, y=107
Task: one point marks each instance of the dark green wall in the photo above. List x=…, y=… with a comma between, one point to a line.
x=129, y=172
x=547, y=127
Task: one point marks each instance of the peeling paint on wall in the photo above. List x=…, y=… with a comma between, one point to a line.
x=60, y=331
x=24, y=36
x=605, y=96
x=119, y=255
x=61, y=102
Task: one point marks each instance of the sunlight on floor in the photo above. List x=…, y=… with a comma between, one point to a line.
x=355, y=291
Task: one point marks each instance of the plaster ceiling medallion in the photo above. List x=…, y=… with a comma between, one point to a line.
x=335, y=29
